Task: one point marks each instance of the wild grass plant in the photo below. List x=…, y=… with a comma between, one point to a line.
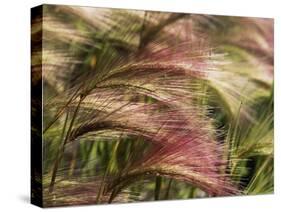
x=142, y=105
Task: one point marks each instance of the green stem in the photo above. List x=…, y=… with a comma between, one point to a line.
x=257, y=174
x=109, y=169
x=168, y=189
x=158, y=182
x=61, y=147
x=61, y=150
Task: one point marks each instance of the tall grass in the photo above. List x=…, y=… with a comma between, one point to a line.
x=153, y=106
